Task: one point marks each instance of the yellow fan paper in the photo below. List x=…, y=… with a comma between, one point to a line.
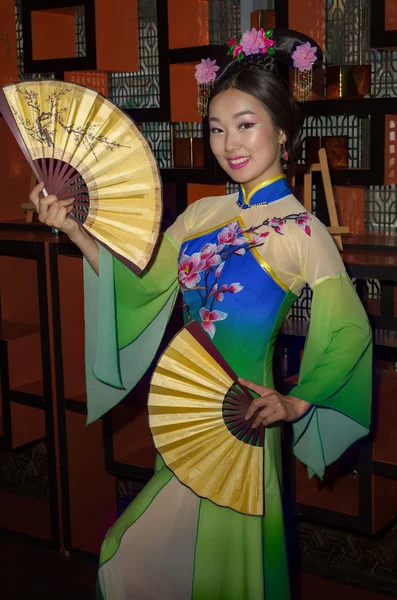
x=82, y=146
x=196, y=416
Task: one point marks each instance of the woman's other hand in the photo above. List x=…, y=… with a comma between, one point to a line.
x=275, y=406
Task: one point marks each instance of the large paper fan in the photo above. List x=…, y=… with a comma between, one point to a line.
x=82, y=146
x=197, y=419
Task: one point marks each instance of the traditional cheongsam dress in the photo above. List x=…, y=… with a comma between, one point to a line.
x=240, y=263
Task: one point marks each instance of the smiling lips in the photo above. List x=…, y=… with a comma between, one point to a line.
x=239, y=162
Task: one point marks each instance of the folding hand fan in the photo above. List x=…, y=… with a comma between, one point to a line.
x=196, y=416
x=82, y=146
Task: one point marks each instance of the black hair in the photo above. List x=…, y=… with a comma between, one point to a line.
x=258, y=76
x=260, y=80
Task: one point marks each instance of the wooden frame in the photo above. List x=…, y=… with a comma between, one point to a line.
x=381, y=39
x=58, y=65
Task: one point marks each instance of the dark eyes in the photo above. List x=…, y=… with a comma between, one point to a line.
x=243, y=127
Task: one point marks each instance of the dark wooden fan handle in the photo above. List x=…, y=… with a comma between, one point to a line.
x=235, y=406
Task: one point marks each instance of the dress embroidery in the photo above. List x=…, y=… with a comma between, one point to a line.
x=278, y=223
x=201, y=271
x=194, y=272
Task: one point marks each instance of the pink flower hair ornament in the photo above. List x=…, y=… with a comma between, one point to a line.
x=251, y=43
x=303, y=59
x=205, y=75
x=206, y=71
x=285, y=46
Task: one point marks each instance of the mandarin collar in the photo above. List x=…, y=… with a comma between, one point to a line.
x=266, y=192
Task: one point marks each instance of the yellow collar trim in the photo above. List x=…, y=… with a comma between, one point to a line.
x=264, y=184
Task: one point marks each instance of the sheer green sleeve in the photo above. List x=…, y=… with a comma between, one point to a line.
x=125, y=319
x=335, y=375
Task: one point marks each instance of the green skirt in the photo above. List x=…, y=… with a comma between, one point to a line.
x=170, y=544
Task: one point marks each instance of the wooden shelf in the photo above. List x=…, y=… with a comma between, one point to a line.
x=385, y=469
x=371, y=264
x=192, y=176
x=370, y=241
x=385, y=420
x=77, y=403
x=22, y=225
x=340, y=494
x=30, y=394
x=192, y=53
x=299, y=329
x=10, y=331
x=344, y=177
x=81, y=398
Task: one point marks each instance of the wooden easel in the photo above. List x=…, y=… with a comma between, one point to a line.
x=334, y=229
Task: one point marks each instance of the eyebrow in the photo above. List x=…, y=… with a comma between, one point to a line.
x=236, y=116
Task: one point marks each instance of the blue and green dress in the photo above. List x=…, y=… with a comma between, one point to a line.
x=240, y=262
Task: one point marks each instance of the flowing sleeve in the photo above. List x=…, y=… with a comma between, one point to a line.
x=125, y=319
x=336, y=368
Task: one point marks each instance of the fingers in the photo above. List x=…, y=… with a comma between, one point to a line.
x=266, y=417
x=273, y=409
x=259, y=389
x=268, y=396
x=52, y=211
x=57, y=213
x=35, y=194
x=254, y=406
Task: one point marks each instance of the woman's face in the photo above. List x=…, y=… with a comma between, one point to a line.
x=244, y=138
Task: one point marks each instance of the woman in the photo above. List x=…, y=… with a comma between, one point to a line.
x=240, y=262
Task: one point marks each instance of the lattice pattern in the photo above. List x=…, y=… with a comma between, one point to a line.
x=380, y=204
x=232, y=187
x=18, y=22
x=141, y=89
x=79, y=15
x=356, y=128
x=25, y=470
x=188, y=130
x=348, y=32
x=159, y=137
x=301, y=309
x=363, y=560
x=127, y=490
x=373, y=289
x=383, y=74
x=391, y=150
x=224, y=20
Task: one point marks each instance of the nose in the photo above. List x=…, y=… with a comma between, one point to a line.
x=232, y=142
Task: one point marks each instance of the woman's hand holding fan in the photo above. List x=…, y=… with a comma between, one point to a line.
x=54, y=212
x=271, y=406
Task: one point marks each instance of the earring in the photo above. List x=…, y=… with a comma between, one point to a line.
x=284, y=153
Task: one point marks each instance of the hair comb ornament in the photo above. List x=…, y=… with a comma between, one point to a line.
x=266, y=48
x=304, y=57
x=251, y=43
x=205, y=75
